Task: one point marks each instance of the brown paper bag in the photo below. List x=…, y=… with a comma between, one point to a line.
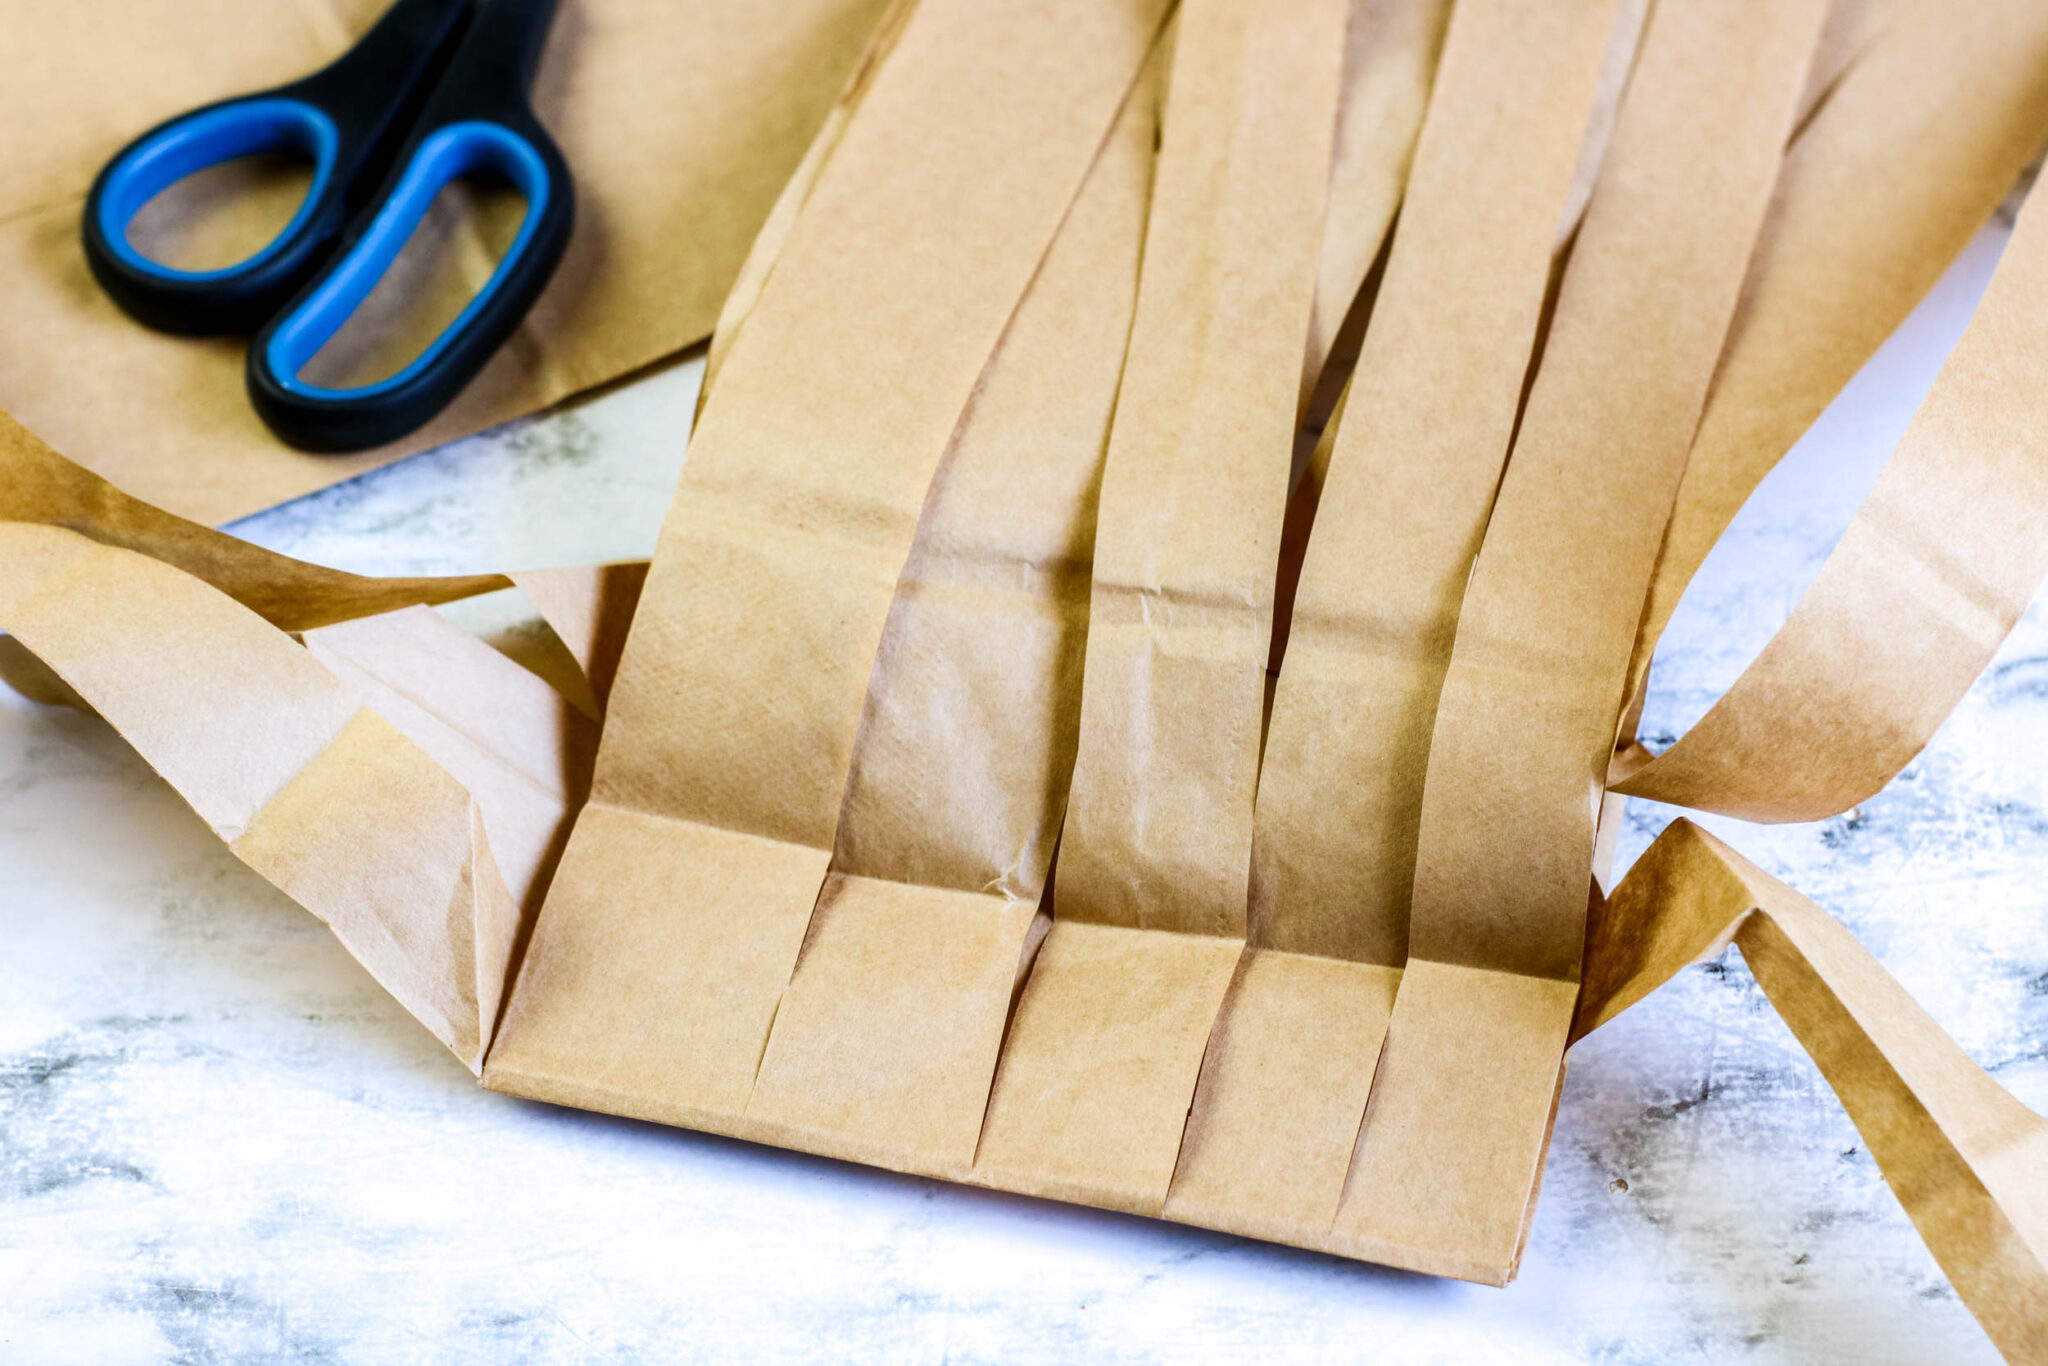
x=412, y=786
x=1966, y=1160
x=679, y=122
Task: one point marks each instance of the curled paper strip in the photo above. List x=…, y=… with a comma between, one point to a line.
x=1923, y=115
x=588, y=608
x=1932, y=574
x=404, y=781
x=370, y=773
x=1969, y=1162
x=39, y=485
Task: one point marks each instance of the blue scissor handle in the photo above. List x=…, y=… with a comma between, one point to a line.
x=346, y=118
x=238, y=295
x=476, y=123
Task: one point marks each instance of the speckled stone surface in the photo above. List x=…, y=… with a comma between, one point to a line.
x=221, y=1143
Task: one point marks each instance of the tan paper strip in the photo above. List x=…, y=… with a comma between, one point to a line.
x=885, y=1041
x=39, y=485
x=1417, y=452
x=1938, y=564
x=1967, y=1160
x=1416, y=459
x=670, y=934
x=1093, y=1089
x=587, y=608
x=680, y=121
x=768, y=243
x=1913, y=147
x=1350, y=240
x=1617, y=69
x=590, y=611
x=1390, y=54
x=1526, y=718
x=1187, y=535
x=374, y=799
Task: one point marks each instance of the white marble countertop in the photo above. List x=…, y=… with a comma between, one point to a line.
x=220, y=1142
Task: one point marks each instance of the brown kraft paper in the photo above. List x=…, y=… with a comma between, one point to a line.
x=796, y=190
x=412, y=787
x=885, y=1041
x=401, y=780
x=586, y=608
x=1390, y=55
x=1092, y=1092
x=1413, y=468
x=1932, y=112
x=672, y=930
x=1525, y=720
x=1936, y=567
x=679, y=121
x=1967, y=1160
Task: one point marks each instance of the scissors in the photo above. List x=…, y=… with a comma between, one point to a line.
x=437, y=90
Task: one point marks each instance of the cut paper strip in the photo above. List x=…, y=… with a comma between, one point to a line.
x=1092, y=1092
x=1412, y=477
x=1930, y=117
x=1417, y=452
x=691, y=879
x=1526, y=717
x=587, y=608
x=39, y=485
x=590, y=611
x=1966, y=1159
x=327, y=786
x=1390, y=55
x=886, y=1037
x=1937, y=566
x=796, y=191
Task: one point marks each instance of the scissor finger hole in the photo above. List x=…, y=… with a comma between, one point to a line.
x=467, y=158
x=445, y=263
x=217, y=192
x=222, y=215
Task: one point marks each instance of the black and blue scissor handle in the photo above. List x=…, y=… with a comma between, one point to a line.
x=437, y=91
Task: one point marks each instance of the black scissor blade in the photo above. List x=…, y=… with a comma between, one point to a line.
x=377, y=88
x=504, y=44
